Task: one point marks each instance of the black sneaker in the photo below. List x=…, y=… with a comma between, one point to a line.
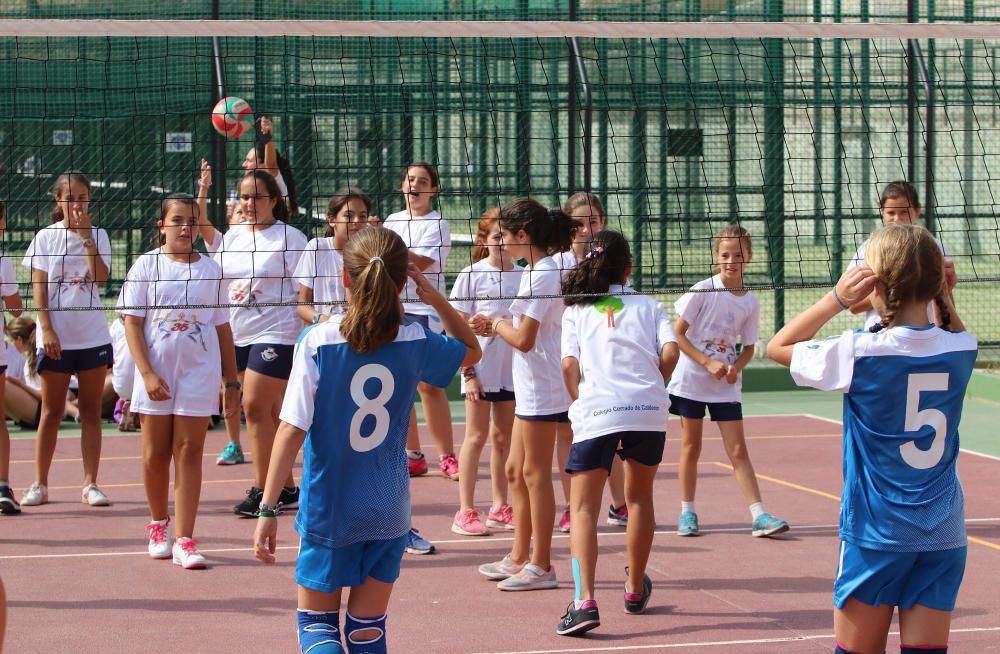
x=8, y=505
x=634, y=602
x=289, y=499
x=248, y=507
x=578, y=621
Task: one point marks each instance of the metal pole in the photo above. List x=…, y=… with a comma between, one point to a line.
x=911, y=98
x=218, y=145
x=571, y=106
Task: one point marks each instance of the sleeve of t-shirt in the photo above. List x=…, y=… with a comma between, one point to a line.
x=134, y=290
x=8, y=282
x=540, y=282
x=688, y=306
x=442, y=357
x=664, y=330
x=295, y=244
x=827, y=365
x=300, y=396
x=216, y=242
x=461, y=293
x=858, y=259
x=431, y=237
x=36, y=255
x=220, y=315
x=104, y=247
x=750, y=331
x=305, y=270
x=570, y=339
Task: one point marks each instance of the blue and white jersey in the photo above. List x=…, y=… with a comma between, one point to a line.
x=903, y=389
x=356, y=409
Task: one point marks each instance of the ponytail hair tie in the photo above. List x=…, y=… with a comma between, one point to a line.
x=374, y=259
x=594, y=252
x=552, y=214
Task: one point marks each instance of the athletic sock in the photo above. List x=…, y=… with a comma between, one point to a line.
x=319, y=632
x=757, y=510
x=4, y=483
x=415, y=454
x=923, y=649
x=354, y=625
x=687, y=507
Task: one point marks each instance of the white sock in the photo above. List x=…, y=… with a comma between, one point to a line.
x=416, y=455
x=757, y=510
x=578, y=603
x=687, y=506
x=4, y=484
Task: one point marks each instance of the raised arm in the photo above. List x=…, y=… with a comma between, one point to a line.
x=454, y=325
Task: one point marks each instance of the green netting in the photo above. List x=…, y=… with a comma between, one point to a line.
x=791, y=138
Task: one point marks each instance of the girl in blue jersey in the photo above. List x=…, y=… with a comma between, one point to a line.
x=349, y=398
x=902, y=522
x=618, y=349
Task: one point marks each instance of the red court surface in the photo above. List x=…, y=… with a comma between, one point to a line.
x=79, y=580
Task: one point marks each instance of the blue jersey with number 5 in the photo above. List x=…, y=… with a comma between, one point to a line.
x=355, y=408
x=904, y=389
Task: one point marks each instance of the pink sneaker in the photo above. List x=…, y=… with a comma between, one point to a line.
x=564, y=521
x=468, y=523
x=449, y=467
x=418, y=466
x=186, y=555
x=502, y=518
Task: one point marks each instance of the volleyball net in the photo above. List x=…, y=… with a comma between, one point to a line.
x=790, y=129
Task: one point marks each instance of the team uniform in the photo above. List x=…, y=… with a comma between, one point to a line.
x=354, y=508
x=427, y=236
x=540, y=393
x=622, y=400
x=716, y=320
x=8, y=286
x=902, y=518
x=258, y=267
x=321, y=268
x=83, y=335
x=858, y=260
x=182, y=339
x=566, y=261
x=123, y=371
x=475, y=283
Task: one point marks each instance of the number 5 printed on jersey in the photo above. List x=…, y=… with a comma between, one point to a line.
x=371, y=406
x=916, y=384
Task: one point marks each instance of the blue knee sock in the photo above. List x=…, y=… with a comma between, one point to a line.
x=369, y=645
x=319, y=632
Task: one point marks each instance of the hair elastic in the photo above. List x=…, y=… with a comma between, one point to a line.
x=594, y=252
x=374, y=259
x=552, y=214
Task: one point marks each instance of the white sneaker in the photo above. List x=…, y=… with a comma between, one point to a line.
x=186, y=554
x=36, y=495
x=159, y=543
x=93, y=496
x=531, y=577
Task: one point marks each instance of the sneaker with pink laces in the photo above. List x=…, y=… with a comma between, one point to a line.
x=468, y=523
x=564, y=521
x=186, y=554
x=501, y=518
x=449, y=467
x=159, y=544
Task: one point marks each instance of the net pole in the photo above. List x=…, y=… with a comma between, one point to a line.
x=774, y=164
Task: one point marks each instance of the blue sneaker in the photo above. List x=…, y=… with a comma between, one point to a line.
x=417, y=545
x=687, y=524
x=231, y=455
x=767, y=525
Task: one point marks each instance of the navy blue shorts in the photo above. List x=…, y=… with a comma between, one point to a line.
x=645, y=447
x=265, y=359
x=432, y=323
x=498, y=396
x=3, y=370
x=901, y=579
x=326, y=569
x=73, y=361
x=551, y=417
x=719, y=411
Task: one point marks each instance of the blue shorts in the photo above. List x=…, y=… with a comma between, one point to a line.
x=432, y=323
x=265, y=359
x=900, y=579
x=645, y=447
x=550, y=417
x=498, y=396
x=73, y=361
x=719, y=411
x=326, y=569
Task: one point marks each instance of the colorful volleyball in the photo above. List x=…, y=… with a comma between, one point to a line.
x=232, y=117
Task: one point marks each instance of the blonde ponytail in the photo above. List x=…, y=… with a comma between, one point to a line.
x=375, y=260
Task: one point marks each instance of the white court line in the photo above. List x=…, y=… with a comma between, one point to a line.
x=713, y=643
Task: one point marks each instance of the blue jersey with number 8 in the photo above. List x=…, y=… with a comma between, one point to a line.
x=904, y=389
x=355, y=408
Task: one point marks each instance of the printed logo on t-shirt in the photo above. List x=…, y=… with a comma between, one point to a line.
x=269, y=354
x=181, y=325
x=74, y=280
x=241, y=292
x=609, y=305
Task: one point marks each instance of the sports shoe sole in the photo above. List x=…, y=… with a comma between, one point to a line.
x=455, y=529
x=493, y=524
x=580, y=628
x=191, y=566
x=9, y=509
x=100, y=502
x=161, y=556
x=541, y=585
x=495, y=576
x=617, y=522
x=413, y=550
x=764, y=533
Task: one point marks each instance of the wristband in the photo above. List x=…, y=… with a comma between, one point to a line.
x=234, y=384
x=266, y=514
x=468, y=373
x=204, y=184
x=316, y=318
x=493, y=327
x=836, y=298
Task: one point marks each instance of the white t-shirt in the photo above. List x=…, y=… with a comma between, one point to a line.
x=871, y=316
x=15, y=362
x=482, y=280
x=59, y=252
x=538, y=383
x=8, y=286
x=717, y=320
x=123, y=371
x=181, y=339
x=427, y=236
x=258, y=267
x=321, y=268
x=566, y=261
x=617, y=341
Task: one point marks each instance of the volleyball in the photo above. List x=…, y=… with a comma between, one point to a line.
x=232, y=116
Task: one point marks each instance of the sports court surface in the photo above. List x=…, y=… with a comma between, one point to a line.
x=79, y=579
